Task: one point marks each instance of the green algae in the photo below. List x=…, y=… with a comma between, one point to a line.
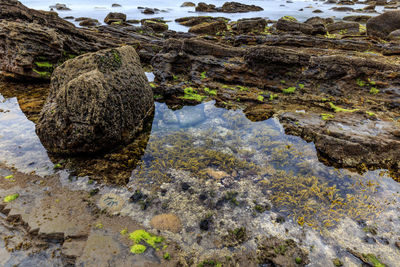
x=326, y=116
x=210, y=92
x=339, y=109
x=42, y=74
x=10, y=198
x=373, y=91
x=209, y=263
x=373, y=260
x=289, y=18
x=140, y=236
x=203, y=75
x=9, y=177
x=138, y=249
x=289, y=90
x=191, y=94
x=166, y=256
x=260, y=98
x=45, y=64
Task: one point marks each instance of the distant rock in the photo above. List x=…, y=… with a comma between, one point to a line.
x=60, y=7
x=228, y=7
x=96, y=102
x=115, y=5
x=113, y=17
x=188, y=4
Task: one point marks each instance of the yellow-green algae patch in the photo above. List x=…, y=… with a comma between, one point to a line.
x=140, y=237
x=10, y=198
x=138, y=249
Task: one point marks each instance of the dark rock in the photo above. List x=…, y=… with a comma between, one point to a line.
x=61, y=7
x=185, y=186
x=133, y=21
x=107, y=102
x=115, y=5
x=156, y=26
x=381, y=26
x=318, y=11
x=203, y=7
x=188, y=4
x=40, y=34
x=228, y=7
x=209, y=27
x=342, y=9
x=249, y=25
x=235, y=7
x=149, y=11
x=69, y=17
x=318, y=24
x=293, y=26
x=397, y=244
x=115, y=17
x=357, y=18
x=345, y=27
x=137, y=196
x=89, y=23
x=192, y=21
x=205, y=224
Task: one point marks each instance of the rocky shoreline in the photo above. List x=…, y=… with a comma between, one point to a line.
x=333, y=83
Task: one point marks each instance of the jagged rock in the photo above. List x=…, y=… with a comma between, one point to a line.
x=156, y=26
x=89, y=22
x=228, y=7
x=253, y=24
x=381, y=26
x=208, y=27
x=115, y=17
x=192, y=21
x=107, y=102
x=348, y=140
x=347, y=27
x=293, y=26
x=358, y=18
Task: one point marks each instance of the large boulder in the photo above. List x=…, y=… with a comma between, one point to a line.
x=380, y=26
x=96, y=101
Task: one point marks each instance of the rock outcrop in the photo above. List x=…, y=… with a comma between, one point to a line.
x=33, y=43
x=228, y=7
x=381, y=26
x=97, y=101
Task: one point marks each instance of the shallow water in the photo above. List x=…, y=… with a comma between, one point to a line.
x=221, y=153
x=273, y=9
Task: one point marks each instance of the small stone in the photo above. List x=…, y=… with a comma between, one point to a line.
x=337, y=262
x=185, y=186
x=116, y=5
x=168, y=222
x=218, y=175
x=205, y=224
x=397, y=244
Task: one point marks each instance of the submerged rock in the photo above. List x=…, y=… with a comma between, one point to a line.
x=96, y=101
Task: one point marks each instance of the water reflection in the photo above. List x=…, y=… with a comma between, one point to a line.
x=214, y=144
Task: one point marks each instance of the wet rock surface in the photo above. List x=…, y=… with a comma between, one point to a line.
x=73, y=120
x=211, y=189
